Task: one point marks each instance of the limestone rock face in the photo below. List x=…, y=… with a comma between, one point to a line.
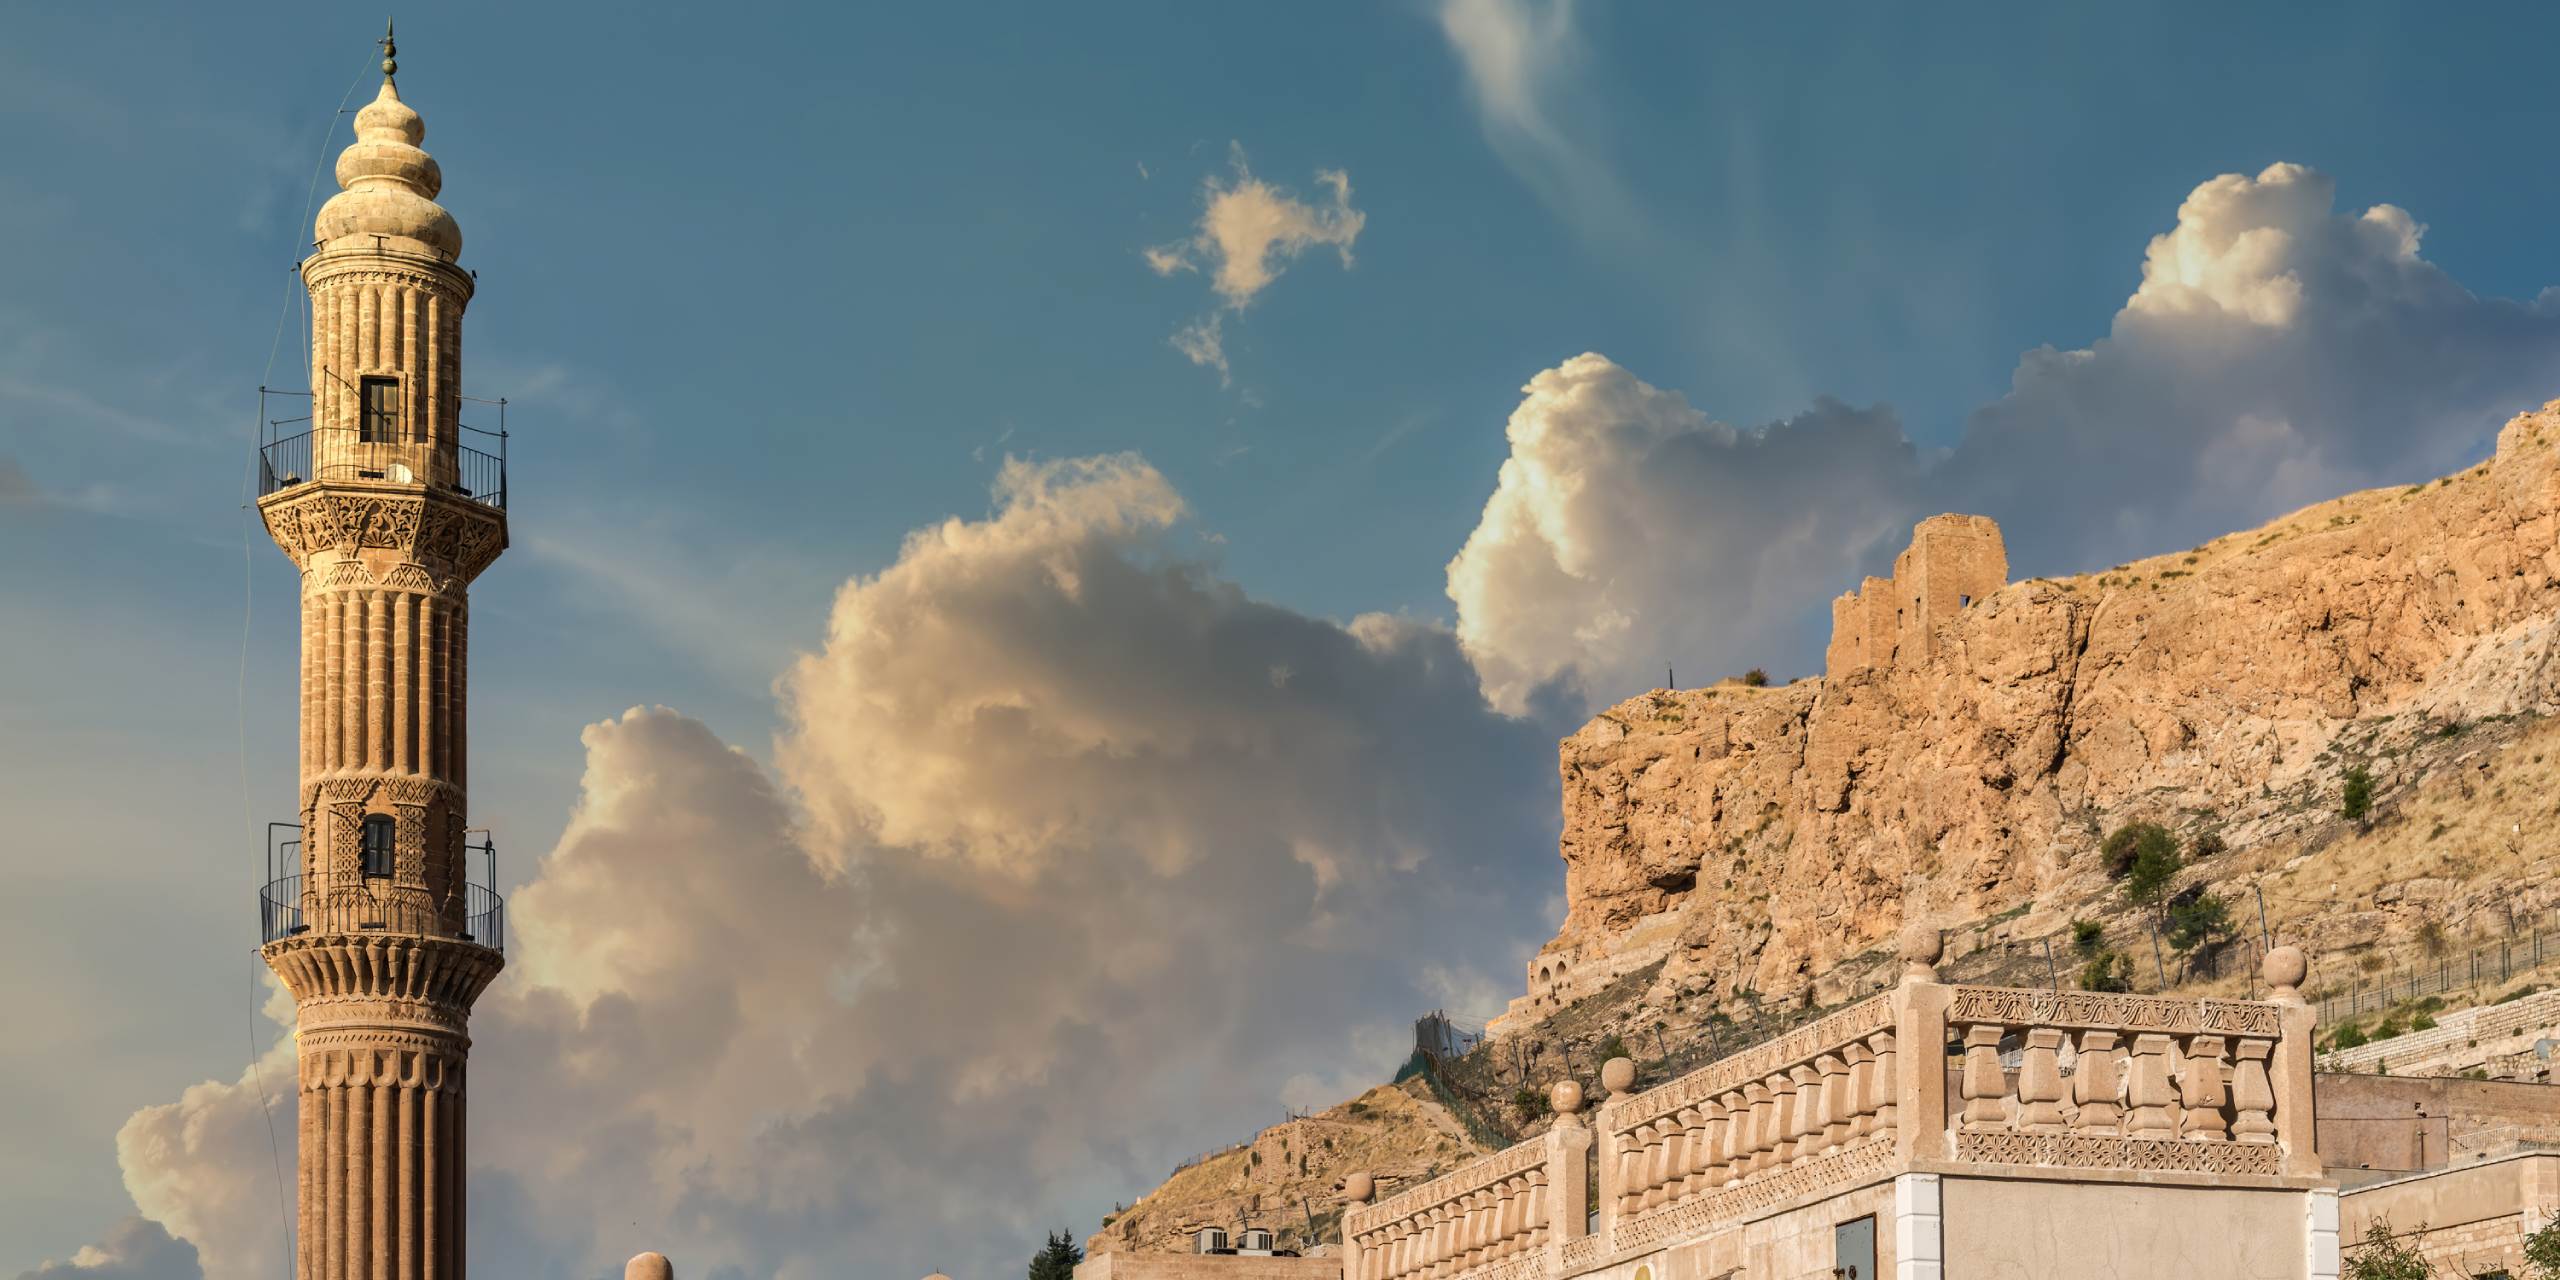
x=1757, y=837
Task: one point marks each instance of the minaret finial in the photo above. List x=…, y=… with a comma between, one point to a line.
x=390, y=53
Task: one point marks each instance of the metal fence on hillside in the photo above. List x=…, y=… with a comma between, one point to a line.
x=2497, y=960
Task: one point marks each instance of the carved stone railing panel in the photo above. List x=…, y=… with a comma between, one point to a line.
x=2111, y=1081
x=2093, y=1151
x=1804, y=1044
x=1688, y=1217
x=1494, y=1219
x=1448, y=1186
x=1579, y=1254
x=1764, y=1124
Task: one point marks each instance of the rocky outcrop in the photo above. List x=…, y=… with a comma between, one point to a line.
x=1752, y=839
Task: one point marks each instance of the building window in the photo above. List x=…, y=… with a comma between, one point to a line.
x=1964, y=602
x=381, y=422
x=378, y=831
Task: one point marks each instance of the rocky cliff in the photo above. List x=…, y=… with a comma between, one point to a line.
x=1732, y=853
x=1753, y=839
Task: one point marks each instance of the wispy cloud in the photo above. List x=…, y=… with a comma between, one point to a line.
x=1523, y=60
x=89, y=409
x=1543, y=109
x=1250, y=230
x=16, y=486
x=1248, y=233
x=1204, y=341
x=738, y=613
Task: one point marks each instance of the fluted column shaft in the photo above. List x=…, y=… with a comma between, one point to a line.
x=381, y=1199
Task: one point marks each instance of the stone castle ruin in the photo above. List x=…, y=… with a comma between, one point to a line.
x=1953, y=560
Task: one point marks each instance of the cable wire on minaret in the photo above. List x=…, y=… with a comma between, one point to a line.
x=240, y=688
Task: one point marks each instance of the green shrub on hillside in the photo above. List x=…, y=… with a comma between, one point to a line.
x=2107, y=971
x=2198, y=921
x=2124, y=847
x=2355, y=801
x=2149, y=857
x=2088, y=938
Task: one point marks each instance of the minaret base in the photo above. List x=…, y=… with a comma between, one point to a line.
x=382, y=1054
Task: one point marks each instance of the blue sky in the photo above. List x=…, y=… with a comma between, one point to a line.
x=771, y=288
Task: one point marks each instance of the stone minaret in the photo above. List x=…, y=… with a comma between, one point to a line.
x=383, y=932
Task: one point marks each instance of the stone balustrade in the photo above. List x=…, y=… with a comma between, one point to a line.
x=1925, y=1078
x=2115, y=1081
x=1813, y=1107
x=1507, y=1215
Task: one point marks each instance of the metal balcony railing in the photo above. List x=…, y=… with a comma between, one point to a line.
x=287, y=458
x=472, y=911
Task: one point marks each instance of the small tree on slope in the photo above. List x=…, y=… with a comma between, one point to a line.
x=1057, y=1259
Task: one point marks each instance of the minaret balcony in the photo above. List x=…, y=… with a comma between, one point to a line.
x=355, y=901
x=471, y=463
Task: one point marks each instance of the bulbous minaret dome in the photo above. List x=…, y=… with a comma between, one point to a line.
x=388, y=185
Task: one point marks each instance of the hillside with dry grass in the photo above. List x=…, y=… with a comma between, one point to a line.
x=1288, y=1177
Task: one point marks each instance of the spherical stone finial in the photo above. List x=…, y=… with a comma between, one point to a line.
x=390, y=52
x=1359, y=1188
x=2284, y=969
x=649, y=1266
x=1921, y=947
x=1565, y=1098
x=1618, y=1076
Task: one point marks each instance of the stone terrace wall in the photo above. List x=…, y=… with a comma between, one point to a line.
x=2468, y=1221
x=2383, y=1125
x=2459, y=1042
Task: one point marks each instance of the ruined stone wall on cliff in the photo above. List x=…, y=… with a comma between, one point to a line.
x=1952, y=561
x=1770, y=833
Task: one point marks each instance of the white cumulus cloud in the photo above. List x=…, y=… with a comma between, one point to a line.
x=1053, y=882
x=205, y=1166
x=2277, y=351
x=135, y=1249
x=1629, y=532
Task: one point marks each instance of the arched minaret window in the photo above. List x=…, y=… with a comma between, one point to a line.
x=381, y=411
x=378, y=831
